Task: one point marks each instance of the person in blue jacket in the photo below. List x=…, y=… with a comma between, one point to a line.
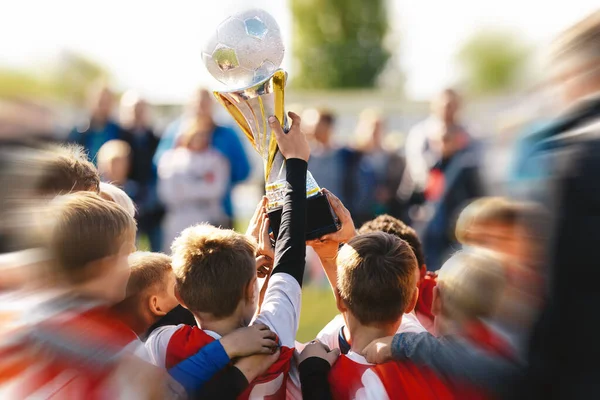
x=224, y=139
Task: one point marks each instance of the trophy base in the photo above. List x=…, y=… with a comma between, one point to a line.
x=320, y=218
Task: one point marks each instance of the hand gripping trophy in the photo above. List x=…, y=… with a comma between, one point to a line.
x=244, y=53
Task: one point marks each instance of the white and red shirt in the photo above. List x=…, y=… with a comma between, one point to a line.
x=353, y=378
x=333, y=333
x=280, y=311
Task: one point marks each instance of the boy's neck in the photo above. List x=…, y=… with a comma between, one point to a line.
x=221, y=326
x=362, y=335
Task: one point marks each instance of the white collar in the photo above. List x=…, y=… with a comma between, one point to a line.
x=357, y=358
x=212, y=334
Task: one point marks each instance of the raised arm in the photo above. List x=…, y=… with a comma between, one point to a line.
x=281, y=307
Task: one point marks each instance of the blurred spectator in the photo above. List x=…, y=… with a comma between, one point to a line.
x=99, y=127
x=452, y=182
x=388, y=166
x=339, y=169
x=569, y=152
x=223, y=139
x=134, y=117
x=422, y=144
x=192, y=181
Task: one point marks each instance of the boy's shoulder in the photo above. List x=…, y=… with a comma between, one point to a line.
x=170, y=344
x=280, y=310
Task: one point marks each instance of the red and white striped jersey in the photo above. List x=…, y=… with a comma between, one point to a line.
x=280, y=311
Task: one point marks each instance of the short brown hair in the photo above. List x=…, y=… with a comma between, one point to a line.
x=376, y=277
x=497, y=210
x=84, y=228
x=388, y=224
x=213, y=268
x=147, y=270
x=66, y=169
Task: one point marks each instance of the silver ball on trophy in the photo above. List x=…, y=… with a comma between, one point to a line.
x=244, y=49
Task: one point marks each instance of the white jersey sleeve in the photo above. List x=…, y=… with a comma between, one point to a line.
x=330, y=335
x=410, y=323
x=372, y=388
x=157, y=343
x=280, y=309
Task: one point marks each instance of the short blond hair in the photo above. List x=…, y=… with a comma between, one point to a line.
x=148, y=270
x=212, y=268
x=470, y=284
x=376, y=277
x=81, y=228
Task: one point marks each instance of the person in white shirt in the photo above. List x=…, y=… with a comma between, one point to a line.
x=192, y=181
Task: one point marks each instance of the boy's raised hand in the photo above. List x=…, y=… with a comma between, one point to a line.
x=254, y=225
x=327, y=245
x=318, y=349
x=255, y=339
x=292, y=144
x=379, y=350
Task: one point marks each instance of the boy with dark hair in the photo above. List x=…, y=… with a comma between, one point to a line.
x=376, y=286
x=335, y=334
x=216, y=278
x=427, y=279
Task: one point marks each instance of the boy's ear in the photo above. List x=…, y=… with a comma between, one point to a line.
x=339, y=302
x=251, y=291
x=178, y=297
x=413, y=301
x=436, y=302
x=155, y=306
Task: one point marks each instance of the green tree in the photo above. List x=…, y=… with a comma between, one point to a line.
x=339, y=43
x=492, y=61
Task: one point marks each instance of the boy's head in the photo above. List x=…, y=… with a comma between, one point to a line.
x=501, y=225
x=215, y=273
x=150, y=290
x=89, y=240
x=66, y=169
x=376, y=279
x=393, y=226
x=469, y=286
x=113, y=161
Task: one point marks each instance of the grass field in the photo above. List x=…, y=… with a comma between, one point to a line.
x=318, y=308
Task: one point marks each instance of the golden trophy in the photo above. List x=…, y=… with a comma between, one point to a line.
x=245, y=52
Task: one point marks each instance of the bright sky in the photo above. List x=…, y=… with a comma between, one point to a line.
x=154, y=46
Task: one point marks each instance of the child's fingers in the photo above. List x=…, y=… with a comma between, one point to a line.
x=296, y=120
x=270, y=343
x=268, y=334
x=261, y=327
x=276, y=127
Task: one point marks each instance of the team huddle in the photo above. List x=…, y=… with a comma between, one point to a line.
x=99, y=337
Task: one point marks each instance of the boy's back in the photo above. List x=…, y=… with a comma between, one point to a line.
x=352, y=377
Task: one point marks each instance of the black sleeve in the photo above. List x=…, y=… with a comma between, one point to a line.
x=313, y=379
x=290, y=247
x=227, y=385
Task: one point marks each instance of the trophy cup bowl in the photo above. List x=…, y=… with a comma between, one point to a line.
x=245, y=53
